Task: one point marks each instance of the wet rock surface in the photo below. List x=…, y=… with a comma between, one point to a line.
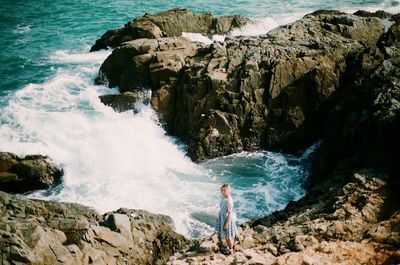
x=126, y=101
x=30, y=173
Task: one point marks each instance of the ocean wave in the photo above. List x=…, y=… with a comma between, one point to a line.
x=23, y=28
x=263, y=26
x=386, y=5
x=110, y=159
x=69, y=57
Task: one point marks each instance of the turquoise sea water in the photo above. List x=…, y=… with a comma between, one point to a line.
x=49, y=105
x=32, y=30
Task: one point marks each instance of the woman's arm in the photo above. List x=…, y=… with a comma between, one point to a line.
x=228, y=214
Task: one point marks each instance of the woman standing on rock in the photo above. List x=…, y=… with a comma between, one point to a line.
x=226, y=221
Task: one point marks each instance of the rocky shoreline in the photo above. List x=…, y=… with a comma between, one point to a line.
x=329, y=75
x=44, y=232
x=333, y=224
x=270, y=92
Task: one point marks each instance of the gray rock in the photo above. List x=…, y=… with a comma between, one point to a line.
x=380, y=13
x=120, y=223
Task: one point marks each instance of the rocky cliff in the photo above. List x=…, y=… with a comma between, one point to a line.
x=351, y=214
x=247, y=93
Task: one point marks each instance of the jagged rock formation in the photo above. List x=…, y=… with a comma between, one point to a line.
x=328, y=74
x=248, y=93
x=41, y=232
x=169, y=24
x=29, y=173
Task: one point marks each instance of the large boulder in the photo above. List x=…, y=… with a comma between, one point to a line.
x=30, y=173
x=144, y=63
x=170, y=23
x=271, y=91
x=43, y=232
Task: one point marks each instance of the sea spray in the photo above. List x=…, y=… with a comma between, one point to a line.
x=261, y=26
x=49, y=105
x=110, y=159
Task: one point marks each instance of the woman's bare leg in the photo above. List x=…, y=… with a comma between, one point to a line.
x=229, y=243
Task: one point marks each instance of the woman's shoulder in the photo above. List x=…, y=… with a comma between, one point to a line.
x=228, y=199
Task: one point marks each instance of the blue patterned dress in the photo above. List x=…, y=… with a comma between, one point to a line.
x=225, y=206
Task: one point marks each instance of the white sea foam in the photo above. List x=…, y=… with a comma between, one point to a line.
x=79, y=58
x=219, y=38
x=203, y=39
x=197, y=37
x=258, y=27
